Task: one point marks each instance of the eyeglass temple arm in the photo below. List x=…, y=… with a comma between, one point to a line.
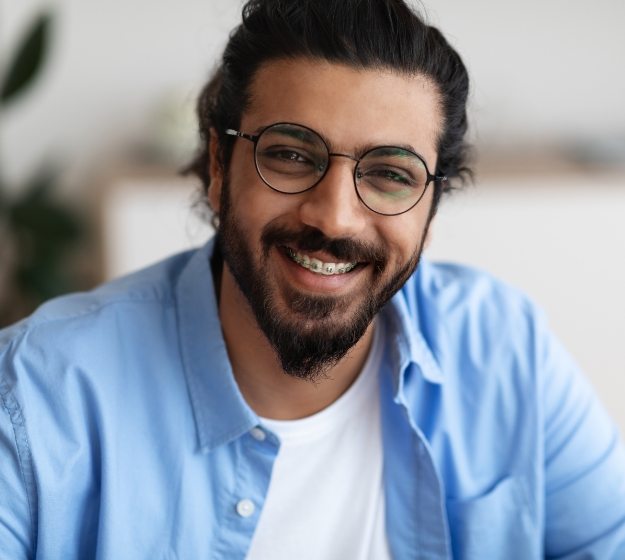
x=239, y=134
x=441, y=178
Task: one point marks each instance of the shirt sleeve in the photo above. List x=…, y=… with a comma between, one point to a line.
x=16, y=472
x=584, y=465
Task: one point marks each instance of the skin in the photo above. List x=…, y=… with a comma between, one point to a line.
x=353, y=109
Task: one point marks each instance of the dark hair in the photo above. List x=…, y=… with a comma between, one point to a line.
x=385, y=34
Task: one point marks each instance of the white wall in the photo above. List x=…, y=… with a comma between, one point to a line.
x=541, y=69
x=113, y=63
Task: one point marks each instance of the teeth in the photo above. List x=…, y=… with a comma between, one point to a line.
x=315, y=265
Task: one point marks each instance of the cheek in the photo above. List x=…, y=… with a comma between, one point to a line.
x=254, y=204
x=406, y=233
x=242, y=190
x=402, y=243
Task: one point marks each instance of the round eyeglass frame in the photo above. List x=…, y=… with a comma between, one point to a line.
x=254, y=138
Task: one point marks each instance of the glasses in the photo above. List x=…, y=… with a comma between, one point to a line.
x=291, y=159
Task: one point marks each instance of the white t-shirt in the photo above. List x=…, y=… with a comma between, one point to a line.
x=326, y=499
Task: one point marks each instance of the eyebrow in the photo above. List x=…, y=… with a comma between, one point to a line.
x=300, y=134
x=359, y=150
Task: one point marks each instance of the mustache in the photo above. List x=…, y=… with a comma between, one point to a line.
x=309, y=239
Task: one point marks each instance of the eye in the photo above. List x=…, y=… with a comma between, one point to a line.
x=393, y=175
x=387, y=182
x=386, y=177
x=287, y=161
x=286, y=157
x=285, y=154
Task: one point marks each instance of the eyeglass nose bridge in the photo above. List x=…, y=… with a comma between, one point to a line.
x=354, y=171
x=337, y=154
x=324, y=168
x=348, y=156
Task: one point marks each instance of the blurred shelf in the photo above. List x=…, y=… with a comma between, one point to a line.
x=146, y=213
x=536, y=165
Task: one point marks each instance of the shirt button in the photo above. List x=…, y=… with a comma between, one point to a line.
x=245, y=508
x=258, y=434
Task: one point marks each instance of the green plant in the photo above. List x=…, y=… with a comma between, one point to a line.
x=37, y=232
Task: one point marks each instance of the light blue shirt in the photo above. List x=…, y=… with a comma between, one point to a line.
x=123, y=434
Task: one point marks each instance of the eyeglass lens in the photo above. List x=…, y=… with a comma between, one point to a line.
x=291, y=159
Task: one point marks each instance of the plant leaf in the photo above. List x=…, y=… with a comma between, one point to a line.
x=28, y=60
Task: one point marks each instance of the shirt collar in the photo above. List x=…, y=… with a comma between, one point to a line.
x=220, y=411
x=409, y=351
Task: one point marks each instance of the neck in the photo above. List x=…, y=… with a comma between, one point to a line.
x=268, y=390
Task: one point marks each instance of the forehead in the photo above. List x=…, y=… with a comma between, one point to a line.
x=348, y=106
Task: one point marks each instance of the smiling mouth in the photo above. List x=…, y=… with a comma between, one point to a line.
x=319, y=267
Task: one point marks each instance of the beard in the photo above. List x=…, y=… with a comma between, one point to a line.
x=314, y=332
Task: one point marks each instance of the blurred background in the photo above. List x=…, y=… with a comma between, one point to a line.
x=97, y=115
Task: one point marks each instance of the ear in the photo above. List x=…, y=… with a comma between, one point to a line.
x=215, y=172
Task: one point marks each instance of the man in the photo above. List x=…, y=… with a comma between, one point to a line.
x=302, y=387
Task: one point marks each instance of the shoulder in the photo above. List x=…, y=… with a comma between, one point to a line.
x=68, y=364
x=489, y=342
x=82, y=312
x=88, y=334
x=482, y=334
x=457, y=304
x=80, y=381
x=154, y=284
x=455, y=287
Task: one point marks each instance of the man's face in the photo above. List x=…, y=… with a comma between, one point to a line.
x=310, y=318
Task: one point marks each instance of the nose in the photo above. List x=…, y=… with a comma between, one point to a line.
x=332, y=206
